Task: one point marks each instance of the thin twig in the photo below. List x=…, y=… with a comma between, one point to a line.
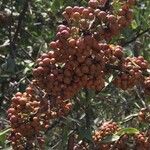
x=141, y=96
x=87, y=113
x=27, y=54
x=137, y=36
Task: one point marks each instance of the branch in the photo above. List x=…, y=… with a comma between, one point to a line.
x=114, y=67
x=20, y=20
x=18, y=29
x=71, y=141
x=137, y=36
x=87, y=110
x=140, y=94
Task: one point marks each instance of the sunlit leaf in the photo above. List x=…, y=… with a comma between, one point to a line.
x=128, y=131
x=110, y=138
x=3, y=134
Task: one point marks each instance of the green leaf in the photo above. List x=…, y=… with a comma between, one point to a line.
x=128, y=52
x=116, y=5
x=3, y=135
x=134, y=24
x=111, y=138
x=55, y=6
x=65, y=135
x=62, y=2
x=129, y=131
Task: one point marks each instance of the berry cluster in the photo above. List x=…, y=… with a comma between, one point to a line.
x=131, y=72
x=74, y=64
x=31, y=111
x=142, y=141
x=100, y=18
x=75, y=61
x=107, y=128
x=144, y=115
x=112, y=21
x=26, y=121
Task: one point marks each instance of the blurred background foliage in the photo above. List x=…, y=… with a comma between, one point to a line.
x=26, y=29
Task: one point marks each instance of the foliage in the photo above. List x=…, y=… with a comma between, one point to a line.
x=26, y=29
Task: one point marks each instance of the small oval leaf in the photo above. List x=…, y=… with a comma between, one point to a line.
x=128, y=131
x=111, y=138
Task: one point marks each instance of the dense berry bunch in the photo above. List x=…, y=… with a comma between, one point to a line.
x=75, y=64
x=26, y=120
x=139, y=141
x=107, y=128
x=131, y=72
x=29, y=114
x=110, y=21
x=78, y=70
x=100, y=18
